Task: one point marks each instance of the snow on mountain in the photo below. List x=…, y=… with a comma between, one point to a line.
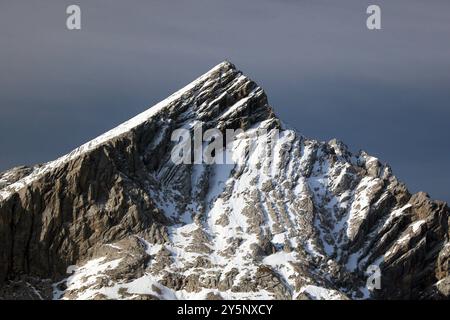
x=305, y=219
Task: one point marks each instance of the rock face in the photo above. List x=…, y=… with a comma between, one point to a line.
x=304, y=219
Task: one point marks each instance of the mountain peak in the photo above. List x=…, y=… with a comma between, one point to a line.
x=295, y=218
x=222, y=91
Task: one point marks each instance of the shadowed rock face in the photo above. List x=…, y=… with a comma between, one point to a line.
x=304, y=220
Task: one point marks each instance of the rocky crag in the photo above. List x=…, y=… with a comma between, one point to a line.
x=117, y=219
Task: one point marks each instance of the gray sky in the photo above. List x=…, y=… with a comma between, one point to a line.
x=387, y=92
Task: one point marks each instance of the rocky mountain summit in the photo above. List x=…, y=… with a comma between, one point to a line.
x=117, y=219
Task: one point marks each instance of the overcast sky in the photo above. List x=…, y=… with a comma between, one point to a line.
x=387, y=91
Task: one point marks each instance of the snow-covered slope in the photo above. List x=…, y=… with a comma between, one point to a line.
x=301, y=219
